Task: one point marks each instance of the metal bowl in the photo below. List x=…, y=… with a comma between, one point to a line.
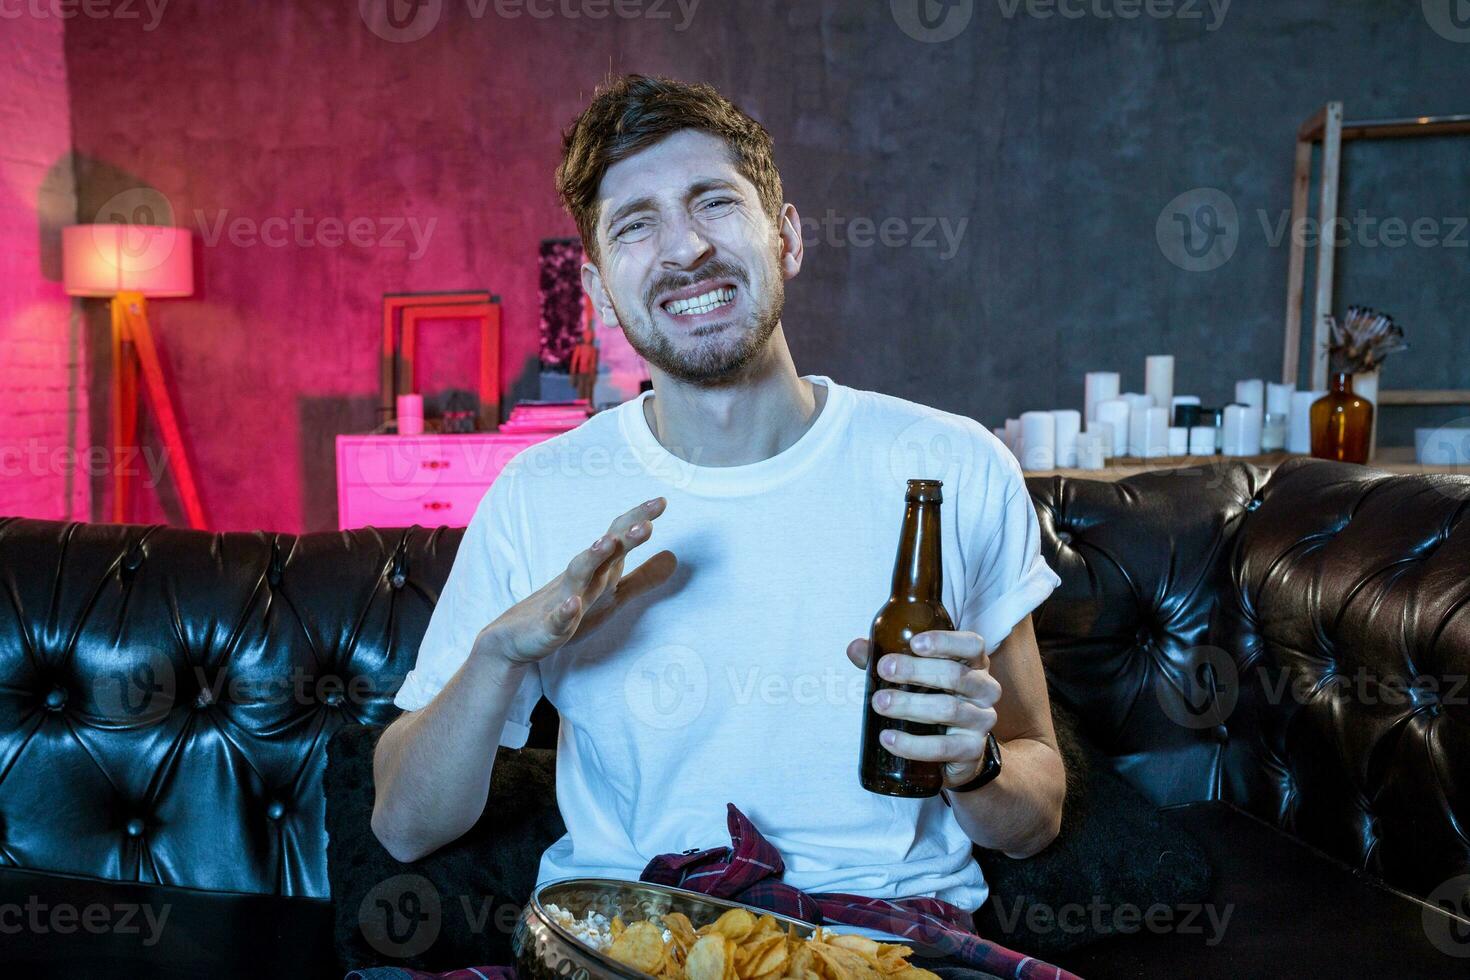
x=544, y=950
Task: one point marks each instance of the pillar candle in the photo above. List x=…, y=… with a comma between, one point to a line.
x=1178, y=441
x=1138, y=406
x=1299, y=421
x=1251, y=392
x=1069, y=425
x=1098, y=386
x=1202, y=440
x=1158, y=378
x=1104, y=431
x=1234, y=430
x=1038, y=441
x=1013, y=436
x=1114, y=411
x=1090, y=449
x=410, y=415
x=1278, y=398
x=1154, y=439
x=1250, y=434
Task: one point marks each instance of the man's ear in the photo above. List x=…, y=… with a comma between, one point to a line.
x=593, y=286
x=788, y=230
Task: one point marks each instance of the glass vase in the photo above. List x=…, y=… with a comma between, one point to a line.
x=1341, y=422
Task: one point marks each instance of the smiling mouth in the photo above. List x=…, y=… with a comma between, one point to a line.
x=712, y=301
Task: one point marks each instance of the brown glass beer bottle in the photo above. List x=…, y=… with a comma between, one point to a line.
x=914, y=606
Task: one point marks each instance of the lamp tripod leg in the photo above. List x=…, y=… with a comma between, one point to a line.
x=135, y=315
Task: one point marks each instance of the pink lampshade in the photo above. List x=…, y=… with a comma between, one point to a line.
x=104, y=260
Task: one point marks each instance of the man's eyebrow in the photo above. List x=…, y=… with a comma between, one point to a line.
x=640, y=204
x=700, y=186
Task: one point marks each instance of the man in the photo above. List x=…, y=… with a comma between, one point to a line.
x=712, y=671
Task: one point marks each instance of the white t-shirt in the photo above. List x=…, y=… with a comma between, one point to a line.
x=730, y=682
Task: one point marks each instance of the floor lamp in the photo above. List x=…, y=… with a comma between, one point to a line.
x=128, y=264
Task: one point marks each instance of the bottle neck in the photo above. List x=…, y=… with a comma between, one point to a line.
x=1342, y=383
x=918, y=571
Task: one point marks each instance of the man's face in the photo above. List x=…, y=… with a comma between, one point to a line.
x=689, y=264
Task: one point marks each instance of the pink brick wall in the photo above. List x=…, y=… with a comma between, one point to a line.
x=43, y=389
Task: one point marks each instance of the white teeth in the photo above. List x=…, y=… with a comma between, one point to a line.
x=695, y=305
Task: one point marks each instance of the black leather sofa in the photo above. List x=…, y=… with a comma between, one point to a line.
x=1277, y=658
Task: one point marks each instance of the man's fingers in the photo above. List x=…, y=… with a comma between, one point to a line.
x=564, y=616
x=937, y=709
x=654, y=572
x=857, y=652
x=584, y=567
x=638, y=521
x=958, y=744
x=951, y=645
x=954, y=676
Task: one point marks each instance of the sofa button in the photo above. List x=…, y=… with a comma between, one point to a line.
x=135, y=827
x=1065, y=537
x=1253, y=504
x=56, y=699
x=275, y=811
x=333, y=698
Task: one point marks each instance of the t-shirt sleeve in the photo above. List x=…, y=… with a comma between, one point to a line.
x=1006, y=577
x=488, y=577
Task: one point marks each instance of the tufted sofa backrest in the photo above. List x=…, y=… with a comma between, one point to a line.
x=1298, y=645
x=166, y=696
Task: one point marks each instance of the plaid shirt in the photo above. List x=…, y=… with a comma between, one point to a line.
x=749, y=871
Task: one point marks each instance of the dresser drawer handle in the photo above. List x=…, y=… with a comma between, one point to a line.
x=437, y=505
x=435, y=464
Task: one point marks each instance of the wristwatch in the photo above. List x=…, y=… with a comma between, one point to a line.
x=989, y=768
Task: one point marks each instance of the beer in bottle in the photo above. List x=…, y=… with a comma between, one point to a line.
x=914, y=606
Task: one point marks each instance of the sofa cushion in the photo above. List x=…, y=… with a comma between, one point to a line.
x=455, y=907
x=70, y=926
x=1276, y=908
x=1114, y=849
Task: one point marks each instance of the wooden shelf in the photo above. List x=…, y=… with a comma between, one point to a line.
x=1390, y=459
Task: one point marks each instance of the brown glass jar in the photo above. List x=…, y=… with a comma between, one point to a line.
x=1341, y=422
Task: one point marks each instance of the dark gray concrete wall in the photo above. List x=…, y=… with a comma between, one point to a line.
x=1017, y=173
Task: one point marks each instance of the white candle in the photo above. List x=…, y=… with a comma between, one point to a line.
x=1013, y=436
x=1234, y=427
x=1138, y=406
x=1104, y=431
x=1158, y=377
x=1299, y=422
x=1069, y=425
x=1097, y=386
x=1251, y=392
x=1202, y=440
x=1178, y=440
x=1155, y=433
x=1114, y=411
x=1090, y=450
x=1278, y=398
x=1250, y=434
x=1038, y=441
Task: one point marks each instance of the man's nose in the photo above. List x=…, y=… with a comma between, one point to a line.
x=684, y=245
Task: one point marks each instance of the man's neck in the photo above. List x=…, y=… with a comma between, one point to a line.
x=745, y=421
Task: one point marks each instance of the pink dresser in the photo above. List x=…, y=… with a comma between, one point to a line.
x=396, y=481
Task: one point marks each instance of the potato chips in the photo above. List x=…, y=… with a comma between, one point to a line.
x=739, y=946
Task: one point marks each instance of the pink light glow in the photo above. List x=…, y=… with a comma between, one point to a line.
x=104, y=260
